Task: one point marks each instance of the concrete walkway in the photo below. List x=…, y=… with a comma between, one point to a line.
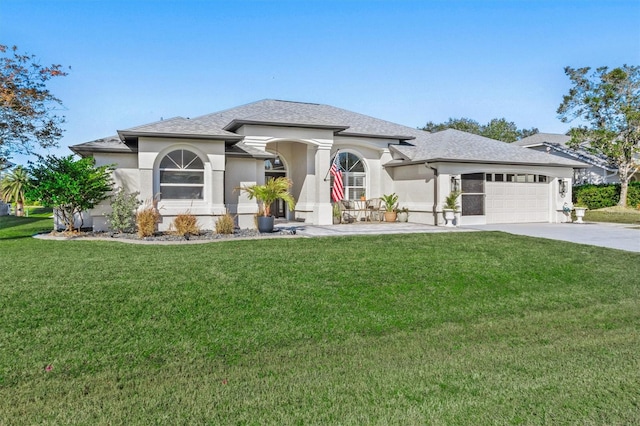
x=617, y=236
x=365, y=229
x=611, y=235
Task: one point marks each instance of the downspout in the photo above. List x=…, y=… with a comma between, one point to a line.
x=435, y=192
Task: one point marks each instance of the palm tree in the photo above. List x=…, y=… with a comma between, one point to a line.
x=13, y=186
x=272, y=190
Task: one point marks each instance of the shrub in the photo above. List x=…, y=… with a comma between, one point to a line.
x=146, y=220
x=604, y=195
x=69, y=186
x=225, y=224
x=123, y=211
x=185, y=224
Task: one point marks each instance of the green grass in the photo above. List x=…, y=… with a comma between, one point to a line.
x=461, y=328
x=613, y=215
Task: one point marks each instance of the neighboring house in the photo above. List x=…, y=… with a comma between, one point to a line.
x=196, y=165
x=600, y=170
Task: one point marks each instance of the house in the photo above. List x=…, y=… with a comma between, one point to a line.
x=197, y=164
x=600, y=170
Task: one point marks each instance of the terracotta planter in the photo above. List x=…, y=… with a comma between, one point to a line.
x=390, y=216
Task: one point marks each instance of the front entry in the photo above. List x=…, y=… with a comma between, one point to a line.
x=274, y=168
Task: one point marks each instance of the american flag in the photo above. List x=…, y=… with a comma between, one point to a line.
x=337, y=192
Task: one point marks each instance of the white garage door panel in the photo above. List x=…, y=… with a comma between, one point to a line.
x=508, y=202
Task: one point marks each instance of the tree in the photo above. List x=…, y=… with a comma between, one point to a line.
x=13, y=188
x=462, y=124
x=498, y=128
x=27, y=107
x=70, y=187
x=609, y=103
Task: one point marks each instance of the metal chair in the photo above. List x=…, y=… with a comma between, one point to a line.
x=374, y=212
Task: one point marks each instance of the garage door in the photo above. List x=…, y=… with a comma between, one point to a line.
x=517, y=202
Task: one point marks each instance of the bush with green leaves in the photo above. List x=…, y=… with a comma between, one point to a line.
x=69, y=186
x=123, y=211
x=604, y=195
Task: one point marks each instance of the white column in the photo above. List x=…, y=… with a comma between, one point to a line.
x=322, y=211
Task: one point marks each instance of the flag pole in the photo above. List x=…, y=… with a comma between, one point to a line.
x=331, y=164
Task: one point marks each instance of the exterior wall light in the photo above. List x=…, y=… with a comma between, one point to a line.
x=455, y=183
x=562, y=187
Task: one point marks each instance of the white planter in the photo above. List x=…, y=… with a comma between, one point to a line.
x=403, y=216
x=580, y=211
x=449, y=217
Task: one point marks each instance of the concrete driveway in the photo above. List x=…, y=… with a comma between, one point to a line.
x=617, y=236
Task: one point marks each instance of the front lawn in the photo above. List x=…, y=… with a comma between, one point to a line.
x=613, y=215
x=460, y=328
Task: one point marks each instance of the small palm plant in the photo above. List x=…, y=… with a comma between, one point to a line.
x=451, y=202
x=390, y=202
x=271, y=191
x=13, y=187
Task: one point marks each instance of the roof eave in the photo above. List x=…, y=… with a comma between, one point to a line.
x=86, y=151
x=515, y=163
x=236, y=124
x=124, y=135
x=376, y=136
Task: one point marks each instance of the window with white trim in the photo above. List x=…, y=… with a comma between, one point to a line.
x=181, y=176
x=354, y=175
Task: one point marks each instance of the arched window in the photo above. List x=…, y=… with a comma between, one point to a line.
x=181, y=176
x=354, y=176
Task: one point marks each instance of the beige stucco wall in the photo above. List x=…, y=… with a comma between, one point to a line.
x=211, y=152
x=414, y=185
x=242, y=172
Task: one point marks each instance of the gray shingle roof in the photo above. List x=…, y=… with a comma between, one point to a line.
x=558, y=142
x=448, y=145
x=540, y=138
x=300, y=114
x=107, y=144
x=180, y=126
x=454, y=145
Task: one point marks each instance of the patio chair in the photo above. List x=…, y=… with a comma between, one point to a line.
x=374, y=212
x=346, y=210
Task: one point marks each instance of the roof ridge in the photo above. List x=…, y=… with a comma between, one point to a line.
x=162, y=120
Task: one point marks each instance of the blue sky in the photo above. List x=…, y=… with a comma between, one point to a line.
x=409, y=62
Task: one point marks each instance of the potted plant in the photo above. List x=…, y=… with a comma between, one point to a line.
x=403, y=214
x=390, y=205
x=267, y=194
x=337, y=214
x=450, y=207
x=580, y=211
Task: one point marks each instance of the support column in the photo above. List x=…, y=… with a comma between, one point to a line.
x=322, y=211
